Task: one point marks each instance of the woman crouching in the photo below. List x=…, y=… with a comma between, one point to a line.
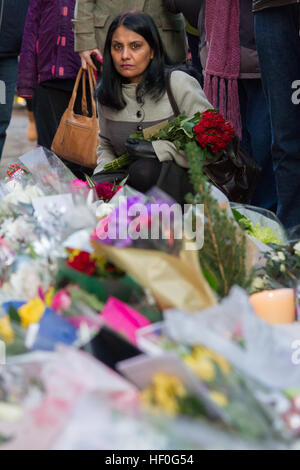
x=137, y=91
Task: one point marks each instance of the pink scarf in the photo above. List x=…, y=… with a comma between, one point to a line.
x=222, y=23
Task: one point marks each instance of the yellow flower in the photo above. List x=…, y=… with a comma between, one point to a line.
x=49, y=296
x=170, y=406
x=219, y=398
x=170, y=383
x=101, y=261
x=6, y=331
x=222, y=363
x=202, y=367
x=166, y=401
x=201, y=352
x=31, y=312
x=73, y=255
x=164, y=393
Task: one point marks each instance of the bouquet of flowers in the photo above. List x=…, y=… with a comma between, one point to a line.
x=16, y=171
x=105, y=191
x=260, y=223
x=209, y=129
x=200, y=383
x=18, y=389
x=125, y=238
x=282, y=267
x=226, y=389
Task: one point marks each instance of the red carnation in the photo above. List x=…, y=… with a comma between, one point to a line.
x=106, y=190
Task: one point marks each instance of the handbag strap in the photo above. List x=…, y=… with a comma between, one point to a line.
x=75, y=90
x=92, y=84
x=171, y=97
x=84, y=102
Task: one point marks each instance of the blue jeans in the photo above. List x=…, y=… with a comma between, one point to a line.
x=8, y=77
x=278, y=45
x=256, y=139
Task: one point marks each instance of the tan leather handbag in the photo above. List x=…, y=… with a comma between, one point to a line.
x=76, y=139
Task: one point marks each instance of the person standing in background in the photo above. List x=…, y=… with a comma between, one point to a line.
x=190, y=10
x=233, y=83
x=12, y=20
x=31, y=132
x=49, y=65
x=93, y=17
x=277, y=24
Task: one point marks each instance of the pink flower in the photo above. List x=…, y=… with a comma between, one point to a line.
x=61, y=301
x=78, y=184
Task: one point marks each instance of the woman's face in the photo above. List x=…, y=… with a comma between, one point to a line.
x=131, y=54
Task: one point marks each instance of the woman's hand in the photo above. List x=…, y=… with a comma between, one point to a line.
x=86, y=58
x=138, y=148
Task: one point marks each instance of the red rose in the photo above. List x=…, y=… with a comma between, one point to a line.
x=213, y=131
x=83, y=263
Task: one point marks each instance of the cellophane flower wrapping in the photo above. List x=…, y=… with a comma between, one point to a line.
x=264, y=354
x=261, y=224
x=68, y=400
x=168, y=264
x=66, y=377
x=47, y=169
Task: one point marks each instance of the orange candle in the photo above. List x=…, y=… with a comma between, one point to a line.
x=274, y=306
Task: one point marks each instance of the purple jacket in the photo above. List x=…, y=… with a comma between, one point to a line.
x=48, y=45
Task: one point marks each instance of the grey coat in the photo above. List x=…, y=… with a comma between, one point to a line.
x=116, y=126
x=93, y=18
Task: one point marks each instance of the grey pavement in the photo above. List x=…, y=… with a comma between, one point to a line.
x=16, y=143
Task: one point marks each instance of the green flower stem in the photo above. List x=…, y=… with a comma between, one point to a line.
x=118, y=163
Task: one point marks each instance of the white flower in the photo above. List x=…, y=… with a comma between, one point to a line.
x=104, y=210
x=25, y=283
x=10, y=412
x=279, y=256
x=30, y=275
x=16, y=232
x=258, y=283
x=297, y=248
x=24, y=195
x=282, y=268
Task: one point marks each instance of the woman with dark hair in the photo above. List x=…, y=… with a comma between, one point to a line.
x=132, y=95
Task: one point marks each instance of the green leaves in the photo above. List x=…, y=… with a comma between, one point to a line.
x=4, y=439
x=266, y=235
x=282, y=266
x=223, y=256
x=13, y=314
x=179, y=131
